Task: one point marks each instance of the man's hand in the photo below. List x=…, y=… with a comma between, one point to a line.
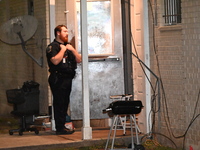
x=74, y=51
x=70, y=47
x=63, y=47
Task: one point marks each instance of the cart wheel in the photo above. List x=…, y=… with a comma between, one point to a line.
x=10, y=132
x=36, y=131
x=20, y=133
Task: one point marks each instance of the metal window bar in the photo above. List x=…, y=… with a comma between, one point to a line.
x=172, y=9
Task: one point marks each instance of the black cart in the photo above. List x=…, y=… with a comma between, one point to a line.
x=25, y=105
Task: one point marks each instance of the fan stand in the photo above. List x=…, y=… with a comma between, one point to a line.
x=23, y=44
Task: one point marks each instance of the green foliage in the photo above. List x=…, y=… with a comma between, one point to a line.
x=154, y=145
x=159, y=148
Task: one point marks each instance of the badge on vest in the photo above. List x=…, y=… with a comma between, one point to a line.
x=64, y=59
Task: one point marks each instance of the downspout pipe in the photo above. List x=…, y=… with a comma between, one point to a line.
x=127, y=47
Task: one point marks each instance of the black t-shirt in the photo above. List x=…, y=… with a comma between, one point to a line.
x=67, y=65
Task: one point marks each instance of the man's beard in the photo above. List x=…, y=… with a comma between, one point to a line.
x=64, y=39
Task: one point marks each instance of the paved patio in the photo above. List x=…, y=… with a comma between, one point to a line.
x=49, y=140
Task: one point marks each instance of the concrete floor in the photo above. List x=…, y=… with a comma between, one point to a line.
x=49, y=140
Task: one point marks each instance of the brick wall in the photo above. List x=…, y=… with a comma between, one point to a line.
x=60, y=15
x=191, y=40
x=16, y=66
x=178, y=51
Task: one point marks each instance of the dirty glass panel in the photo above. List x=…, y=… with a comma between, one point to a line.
x=99, y=27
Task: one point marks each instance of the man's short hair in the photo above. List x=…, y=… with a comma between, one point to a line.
x=58, y=28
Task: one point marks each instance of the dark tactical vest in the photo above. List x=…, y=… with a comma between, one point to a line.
x=67, y=66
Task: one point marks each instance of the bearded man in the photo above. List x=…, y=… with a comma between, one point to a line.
x=62, y=60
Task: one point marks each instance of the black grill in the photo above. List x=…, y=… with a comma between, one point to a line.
x=125, y=107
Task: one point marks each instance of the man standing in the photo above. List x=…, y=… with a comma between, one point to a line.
x=62, y=59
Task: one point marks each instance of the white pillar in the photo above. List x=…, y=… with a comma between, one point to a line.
x=147, y=62
x=86, y=129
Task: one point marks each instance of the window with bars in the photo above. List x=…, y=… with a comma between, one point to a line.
x=172, y=12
